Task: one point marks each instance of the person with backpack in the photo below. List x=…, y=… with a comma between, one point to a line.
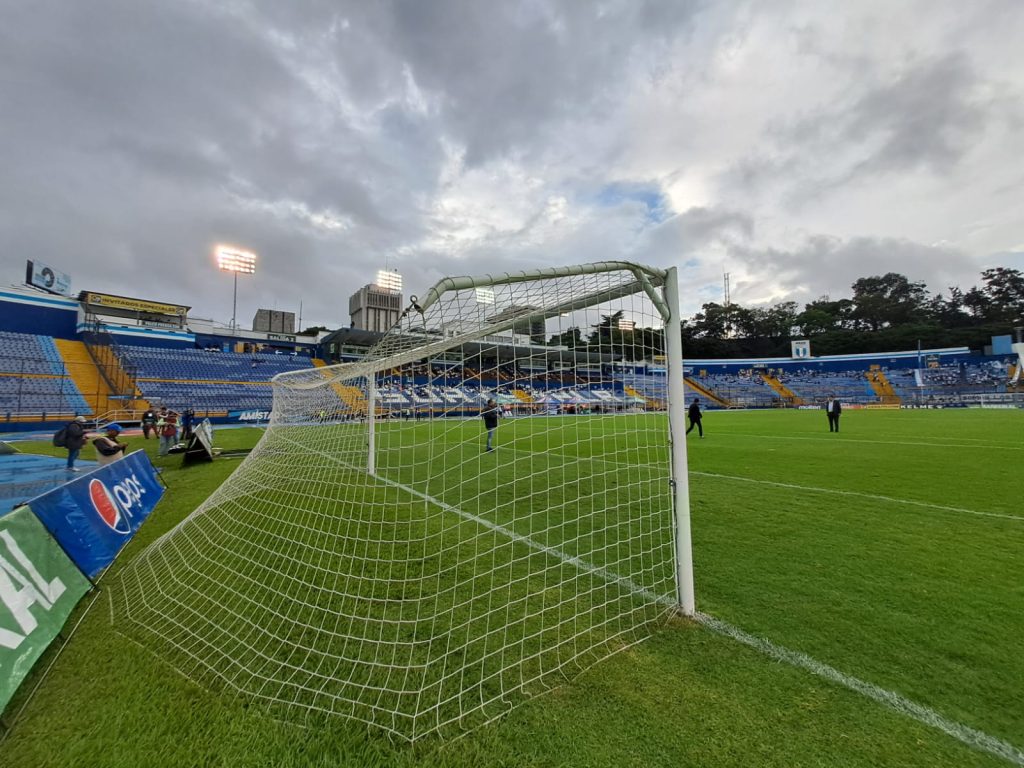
x=108, y=450
x=72, y=437
x=167, y=429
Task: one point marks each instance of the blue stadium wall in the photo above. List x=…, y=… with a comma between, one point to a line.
x=42, y=314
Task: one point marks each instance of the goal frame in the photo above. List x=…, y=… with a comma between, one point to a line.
x=667, y=303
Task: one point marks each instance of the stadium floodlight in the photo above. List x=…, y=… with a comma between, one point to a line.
x=389, y=279
x=626, y=325
x=403, y=574
x=236, y=261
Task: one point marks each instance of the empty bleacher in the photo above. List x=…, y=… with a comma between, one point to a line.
x=34, y=380
x=208, y=381
x=817, y=386
x=653, y=388
x=744, y=390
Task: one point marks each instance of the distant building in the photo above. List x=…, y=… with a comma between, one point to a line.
x=373, y=308
x=528, y=325
x=272, y=321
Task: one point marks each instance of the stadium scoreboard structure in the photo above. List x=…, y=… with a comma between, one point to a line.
x=142, y=310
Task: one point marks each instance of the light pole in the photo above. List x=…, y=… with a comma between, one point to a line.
x=236, y=261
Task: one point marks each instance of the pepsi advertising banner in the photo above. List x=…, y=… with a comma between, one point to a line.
x=94, y=516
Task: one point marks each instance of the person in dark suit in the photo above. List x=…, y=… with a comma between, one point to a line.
x=490, y=417
x=694, y=414
x=833, y=408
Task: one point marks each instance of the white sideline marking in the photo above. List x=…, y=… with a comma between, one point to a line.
x=872, y=496
x=815, y=489
x=876, y=442
x=965, y=734
x=971, y=737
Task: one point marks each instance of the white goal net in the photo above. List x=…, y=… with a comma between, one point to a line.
x=475, y=511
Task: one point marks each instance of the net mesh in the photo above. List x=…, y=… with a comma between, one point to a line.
x=428, y=583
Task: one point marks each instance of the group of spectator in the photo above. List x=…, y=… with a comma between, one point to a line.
x=74, y=436
x=162, y=424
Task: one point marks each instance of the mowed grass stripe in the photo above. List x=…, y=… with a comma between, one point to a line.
x=792, y=486
x=968, y=479
x=845, y=439
x=972, y=737
x=868, y=496
x=915, y=604
x=856, y=515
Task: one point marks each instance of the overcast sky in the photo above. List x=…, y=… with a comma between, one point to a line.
x=796, y=144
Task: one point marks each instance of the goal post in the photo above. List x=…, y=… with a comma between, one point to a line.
x=677, y=428
x=490, y=501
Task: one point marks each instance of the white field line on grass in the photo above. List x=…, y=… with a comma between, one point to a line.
x=990, y=447
x=925, y=439
x=972, y=737
x=871, y=496
x=965, y=734
x=811, y=488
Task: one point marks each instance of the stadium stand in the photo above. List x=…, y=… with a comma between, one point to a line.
x=50, y=369
x=653, y=388
x=747, y=390
x=396, y=397
x=208, y=381
x=816, y=386
x=33, y=378
x=948, y=381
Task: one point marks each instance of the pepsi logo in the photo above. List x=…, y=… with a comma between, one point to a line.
x=106, y=507
x=115, y=509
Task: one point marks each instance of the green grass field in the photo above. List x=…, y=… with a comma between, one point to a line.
x=892, y=553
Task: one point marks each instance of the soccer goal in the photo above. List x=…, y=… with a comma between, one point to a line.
x=490, y=501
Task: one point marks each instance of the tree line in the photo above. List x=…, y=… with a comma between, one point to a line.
x=886, y=313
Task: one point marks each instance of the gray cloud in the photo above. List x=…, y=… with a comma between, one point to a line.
x=823, y=265
x=927, y=118
x=454, y=137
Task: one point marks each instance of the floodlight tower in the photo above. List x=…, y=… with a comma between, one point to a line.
x=389, y=279
x=236, y=261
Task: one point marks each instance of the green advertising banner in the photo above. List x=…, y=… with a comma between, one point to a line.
x=39, y=586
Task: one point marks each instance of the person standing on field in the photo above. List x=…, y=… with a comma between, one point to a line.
x=148, y=422
x=108, y=449
x=167, y=429
x=695, y=416
x=490, y=417
x=188, y=416
x=74, y=440
x=833, y=409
